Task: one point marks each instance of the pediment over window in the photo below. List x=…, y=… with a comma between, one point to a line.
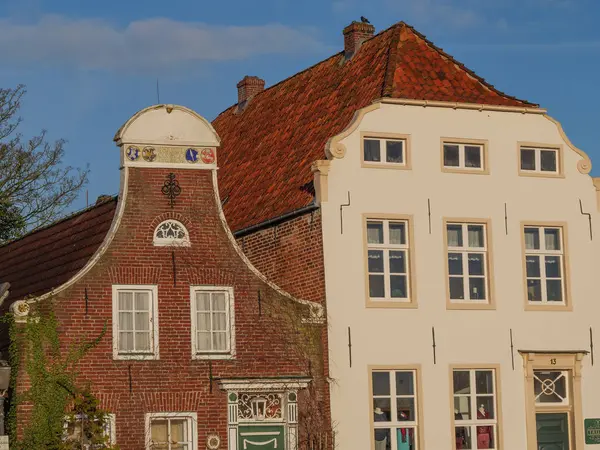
x=171, y=233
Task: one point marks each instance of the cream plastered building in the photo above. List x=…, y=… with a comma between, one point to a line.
x=441, y=335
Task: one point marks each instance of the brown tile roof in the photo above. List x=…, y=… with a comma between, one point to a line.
x=50, y=256
x=267, y=150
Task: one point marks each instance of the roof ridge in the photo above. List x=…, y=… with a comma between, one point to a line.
x=464, y=67
x=388, y=79
x=61, y=219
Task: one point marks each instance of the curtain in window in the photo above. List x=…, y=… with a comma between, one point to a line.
x=475, y=235
x=551, y=239
x=375, y=233
x=454, y=236
x=532, y=238
x=159, y=431
x=178, y=431
x=396, y=233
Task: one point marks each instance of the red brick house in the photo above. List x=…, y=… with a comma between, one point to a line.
x=202, y=349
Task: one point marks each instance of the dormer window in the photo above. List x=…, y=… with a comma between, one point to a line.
x=171, y=233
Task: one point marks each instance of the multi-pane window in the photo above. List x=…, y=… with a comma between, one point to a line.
x=88, y=434
x=212, y=324
x=467, y=261
x=384, y=151
x=134, y=321
x=475, y=409
x=388, y=259
x=463, y=156
x=544, y=264
x=539, y=160
x=395, y=409
x=171, y=431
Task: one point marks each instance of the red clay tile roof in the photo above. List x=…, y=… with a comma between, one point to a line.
x=50, y=256
x=267, y=149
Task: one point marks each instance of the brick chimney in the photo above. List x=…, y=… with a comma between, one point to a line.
x=249, y=87
x=354, y=35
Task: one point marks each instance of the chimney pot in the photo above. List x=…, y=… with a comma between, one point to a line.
x=103, y=198
x=248, y=87
x=354, y=35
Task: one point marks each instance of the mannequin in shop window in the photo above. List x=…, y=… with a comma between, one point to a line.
x=460, y=433
x=381, y=435
x=483, y=433
x=405, y=436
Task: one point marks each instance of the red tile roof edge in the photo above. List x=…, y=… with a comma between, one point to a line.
x=386, y=89
x=336, y=55
x=461, y=65
x=69, y=216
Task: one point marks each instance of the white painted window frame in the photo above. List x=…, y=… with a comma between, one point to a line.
x=473, y=422
x=154, y=353
x=191, y=417
x=462, y=155
x=163, y=242
x=394, y=424
x=386, y=247
x=204, y=354
x=542, y=253
x=465, y=250
x=109, y=431
x=538, y=160
x=383, y=151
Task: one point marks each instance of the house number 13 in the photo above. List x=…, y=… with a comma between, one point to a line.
x=553, y=361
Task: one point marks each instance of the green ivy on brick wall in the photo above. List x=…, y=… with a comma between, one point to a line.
x=60, y=414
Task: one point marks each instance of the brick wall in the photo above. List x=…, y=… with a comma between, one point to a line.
x=291, y=255
x=268, y=345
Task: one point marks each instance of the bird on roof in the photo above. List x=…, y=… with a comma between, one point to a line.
x=363, y=19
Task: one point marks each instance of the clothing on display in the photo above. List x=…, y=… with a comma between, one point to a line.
x=484, y=434
x=381, y=435
x=405, y=436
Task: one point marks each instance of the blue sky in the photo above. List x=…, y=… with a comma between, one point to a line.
x=89, y=65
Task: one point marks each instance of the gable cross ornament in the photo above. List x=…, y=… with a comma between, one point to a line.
x=171, y=188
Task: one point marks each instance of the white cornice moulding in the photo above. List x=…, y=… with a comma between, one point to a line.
x=458, y=105
x=279, y=384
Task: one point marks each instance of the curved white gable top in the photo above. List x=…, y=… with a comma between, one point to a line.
x=167, y=125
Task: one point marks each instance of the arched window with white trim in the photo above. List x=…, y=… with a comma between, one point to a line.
x=171, y=233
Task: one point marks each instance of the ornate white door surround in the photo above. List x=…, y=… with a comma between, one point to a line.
x=263, y=412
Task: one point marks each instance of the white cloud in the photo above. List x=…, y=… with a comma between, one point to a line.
x=150, y=43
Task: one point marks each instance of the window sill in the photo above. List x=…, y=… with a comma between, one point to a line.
x=395, y=166
x=548, y=307
x=391, y=304
x=134, y=357
x=217, y=356
x=524, y=173
x=467, y=171
x=470, y=305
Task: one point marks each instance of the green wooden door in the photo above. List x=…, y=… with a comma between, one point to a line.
x=552, y=431
x=261, y=437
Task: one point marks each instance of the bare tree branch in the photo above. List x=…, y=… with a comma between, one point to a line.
x=35, y=187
